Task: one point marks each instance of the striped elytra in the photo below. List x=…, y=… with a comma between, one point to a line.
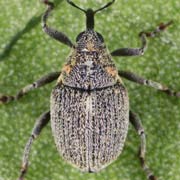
x=89, y=127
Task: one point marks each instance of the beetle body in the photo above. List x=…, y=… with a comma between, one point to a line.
x=89, y=109
x=89, y=106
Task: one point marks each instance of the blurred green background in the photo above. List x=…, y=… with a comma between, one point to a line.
x=26, y=53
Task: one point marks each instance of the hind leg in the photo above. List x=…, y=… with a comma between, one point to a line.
x=39, y=125
x=136, y=122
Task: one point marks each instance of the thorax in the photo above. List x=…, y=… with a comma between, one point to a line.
x=89, y=70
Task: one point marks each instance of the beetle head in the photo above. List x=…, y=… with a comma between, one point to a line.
x=89, y=40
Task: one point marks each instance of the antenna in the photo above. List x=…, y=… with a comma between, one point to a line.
x=90, y=13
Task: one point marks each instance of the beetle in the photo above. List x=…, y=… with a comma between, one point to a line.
x=89, y=109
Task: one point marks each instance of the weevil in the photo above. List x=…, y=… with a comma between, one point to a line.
x=89, y=106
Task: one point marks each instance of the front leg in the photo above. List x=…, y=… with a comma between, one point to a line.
x=143, y=35
x=52, y=32
x=140, y=80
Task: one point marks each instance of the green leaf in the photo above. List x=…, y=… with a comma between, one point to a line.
x=27, y=53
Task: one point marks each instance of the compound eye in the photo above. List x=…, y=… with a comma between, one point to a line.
x=100, y=37
x=79, y=36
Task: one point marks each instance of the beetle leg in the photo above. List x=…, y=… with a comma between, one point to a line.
x=136, y=122
x=132, y=51
x=52, y=32
x=40, y=82
x=143, y=35
x=39, y=125
x=137, y=79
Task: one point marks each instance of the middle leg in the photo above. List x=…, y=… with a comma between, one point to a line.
x=137, y=79
x=39, y=83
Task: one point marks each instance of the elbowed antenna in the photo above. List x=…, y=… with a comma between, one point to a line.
x=90, y=13
x=107, y=5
